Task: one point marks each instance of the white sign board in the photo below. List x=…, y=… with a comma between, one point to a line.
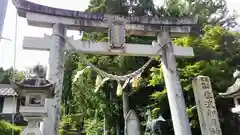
x=206, y=106
x=31, y=131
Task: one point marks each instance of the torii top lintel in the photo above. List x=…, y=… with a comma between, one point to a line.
x=44, y=16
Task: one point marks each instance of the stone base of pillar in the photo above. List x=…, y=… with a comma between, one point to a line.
x=31, y=131
x=33, y=126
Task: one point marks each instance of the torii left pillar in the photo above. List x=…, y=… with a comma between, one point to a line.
x=55, y=74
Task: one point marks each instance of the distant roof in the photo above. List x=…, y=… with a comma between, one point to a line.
x=7, y=90
x=35, y=84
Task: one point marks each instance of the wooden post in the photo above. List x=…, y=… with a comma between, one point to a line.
x=56, y=70
x=175, y=96
x=207, y=112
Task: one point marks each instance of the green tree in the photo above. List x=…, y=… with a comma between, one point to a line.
x=6, y=128
x=6, y=76
x=70, y=66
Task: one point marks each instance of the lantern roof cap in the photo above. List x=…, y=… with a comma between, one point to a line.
x=35, y=84
x=233, y=90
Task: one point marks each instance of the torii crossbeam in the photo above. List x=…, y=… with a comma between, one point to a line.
x=44, y=44
x=60, y=20
x=43, y=16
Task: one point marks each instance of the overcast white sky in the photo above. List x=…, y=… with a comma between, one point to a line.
x=29, y=58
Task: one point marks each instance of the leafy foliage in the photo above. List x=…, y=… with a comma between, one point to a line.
x=94, y=127
x=7, y=75
x=6, y=128
x=68, y=125
x=215, y=57
x=4, y=76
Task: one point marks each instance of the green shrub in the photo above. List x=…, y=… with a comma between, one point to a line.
x=93, y=127
x=6, y=128
x=68, y=125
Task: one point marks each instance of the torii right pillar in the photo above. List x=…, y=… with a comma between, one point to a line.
x=174, y=91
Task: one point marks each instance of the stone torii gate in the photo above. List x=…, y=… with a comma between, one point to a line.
x=60, y=20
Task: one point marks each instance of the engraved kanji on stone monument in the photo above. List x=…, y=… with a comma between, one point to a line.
x=206, y=106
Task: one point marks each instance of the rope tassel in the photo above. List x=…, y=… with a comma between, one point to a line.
x=79, y=73
x=135, y=81
x=120, y=87
x=100, y=82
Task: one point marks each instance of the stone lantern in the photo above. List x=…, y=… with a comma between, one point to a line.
x=234, y=92
x=33, y=93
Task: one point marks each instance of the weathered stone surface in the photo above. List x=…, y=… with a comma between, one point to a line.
x=103, y=47
x=31, y=131
x=44, y=16
x=132, y=123
x=206, y=106
x=24, y=6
